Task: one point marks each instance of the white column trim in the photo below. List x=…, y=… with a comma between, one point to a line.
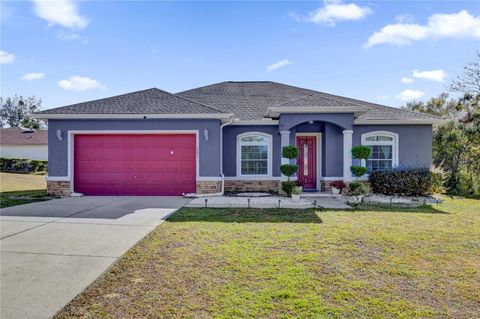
x=347, y=154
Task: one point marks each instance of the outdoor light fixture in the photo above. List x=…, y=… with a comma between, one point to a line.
x=205, y=134
x=310, y=122
x=59, y=135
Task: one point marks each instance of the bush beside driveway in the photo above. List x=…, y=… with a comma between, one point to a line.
x=240, y=263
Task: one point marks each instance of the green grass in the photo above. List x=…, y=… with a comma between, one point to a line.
x=237, y=263
x=18, y=189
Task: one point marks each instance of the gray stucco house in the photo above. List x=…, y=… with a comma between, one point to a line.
x=223, y=137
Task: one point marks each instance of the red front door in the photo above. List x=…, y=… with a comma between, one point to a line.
x=307, y=161
x=134, y=164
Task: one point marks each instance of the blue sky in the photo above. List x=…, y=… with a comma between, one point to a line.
x=71, y=51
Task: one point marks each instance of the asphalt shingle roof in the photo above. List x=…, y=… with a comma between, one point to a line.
x=251, y=100
x=150, y=101
x=247, y=100
x=19, y=136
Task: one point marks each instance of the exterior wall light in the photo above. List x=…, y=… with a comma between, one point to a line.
x=310, y=122
x=59, y=135
x=205, y=134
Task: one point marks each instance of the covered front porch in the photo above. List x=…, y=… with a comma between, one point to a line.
x=324, y=142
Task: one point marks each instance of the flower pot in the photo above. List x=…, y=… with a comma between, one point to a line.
x=335, y=191
x=296, y=197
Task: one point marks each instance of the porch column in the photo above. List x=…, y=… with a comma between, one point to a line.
x=284, y=141
x=347, y=154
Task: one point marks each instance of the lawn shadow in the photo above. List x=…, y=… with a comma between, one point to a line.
x=247, y=215
x=424, y=209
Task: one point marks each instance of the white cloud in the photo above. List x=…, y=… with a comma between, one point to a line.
x=61, y=12
x=434, y=75
x=334, y=11
x=33, y=76
x=406, y=80
x=6, y=58
x=408, y=95
x=80, y=83
x=461, y=24
x=278, y=65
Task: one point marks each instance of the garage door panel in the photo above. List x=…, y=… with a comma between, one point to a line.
x=137, y=164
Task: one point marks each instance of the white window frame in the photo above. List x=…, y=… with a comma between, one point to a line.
x=394, y=143
x=239, y=153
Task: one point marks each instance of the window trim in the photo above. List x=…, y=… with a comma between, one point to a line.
x=394, y=143
x=269, y=154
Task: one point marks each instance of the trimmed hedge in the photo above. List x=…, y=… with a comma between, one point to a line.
x=417, y=181
x=22, y=165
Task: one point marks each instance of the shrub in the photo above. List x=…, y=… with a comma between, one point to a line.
x=288, y=186
x=290, y=152
x=358, y=188
x=22, y=165
x=438, y=180
x=338, y=184
x=288, y=169
x=358, y=171
x=361, y=152
x=408, y=181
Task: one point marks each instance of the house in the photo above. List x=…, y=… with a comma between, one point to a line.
x=223, y=137
x=19, y=142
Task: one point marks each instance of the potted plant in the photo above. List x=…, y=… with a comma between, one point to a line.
x=357, y=190
x=289, y=152
x=337, y=186
x=296, y=192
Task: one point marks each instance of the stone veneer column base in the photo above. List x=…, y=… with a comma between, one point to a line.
x=252, y=186
x=58, y=188
x=209, y=187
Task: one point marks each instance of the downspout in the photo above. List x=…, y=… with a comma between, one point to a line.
x=221, y=164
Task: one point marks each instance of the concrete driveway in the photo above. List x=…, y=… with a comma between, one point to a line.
x=51, y=251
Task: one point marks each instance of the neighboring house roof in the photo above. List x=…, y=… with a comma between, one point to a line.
x=247, y=101
x=150, y=101
x=21, y=136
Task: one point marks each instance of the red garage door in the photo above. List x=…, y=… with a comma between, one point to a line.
x=135, y=164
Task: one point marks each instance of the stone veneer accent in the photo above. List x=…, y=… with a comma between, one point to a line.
x=209, y=187
x=58, y=188
x=252, y=186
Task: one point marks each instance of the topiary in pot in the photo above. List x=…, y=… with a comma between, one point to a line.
x=289, y=152
x=360, y=152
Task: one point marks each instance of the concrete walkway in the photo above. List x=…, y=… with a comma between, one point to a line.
x=51, y=251
x=267, y=202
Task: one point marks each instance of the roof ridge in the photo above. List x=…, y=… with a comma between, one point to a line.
x=202, y=104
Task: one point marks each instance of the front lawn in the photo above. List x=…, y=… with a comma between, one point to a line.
x=18, y=189
x=240, y=263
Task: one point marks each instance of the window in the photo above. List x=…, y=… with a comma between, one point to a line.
x=254, y=151
x=384, y=146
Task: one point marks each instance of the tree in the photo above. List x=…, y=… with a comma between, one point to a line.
x=17, y=110
x=469, y=81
